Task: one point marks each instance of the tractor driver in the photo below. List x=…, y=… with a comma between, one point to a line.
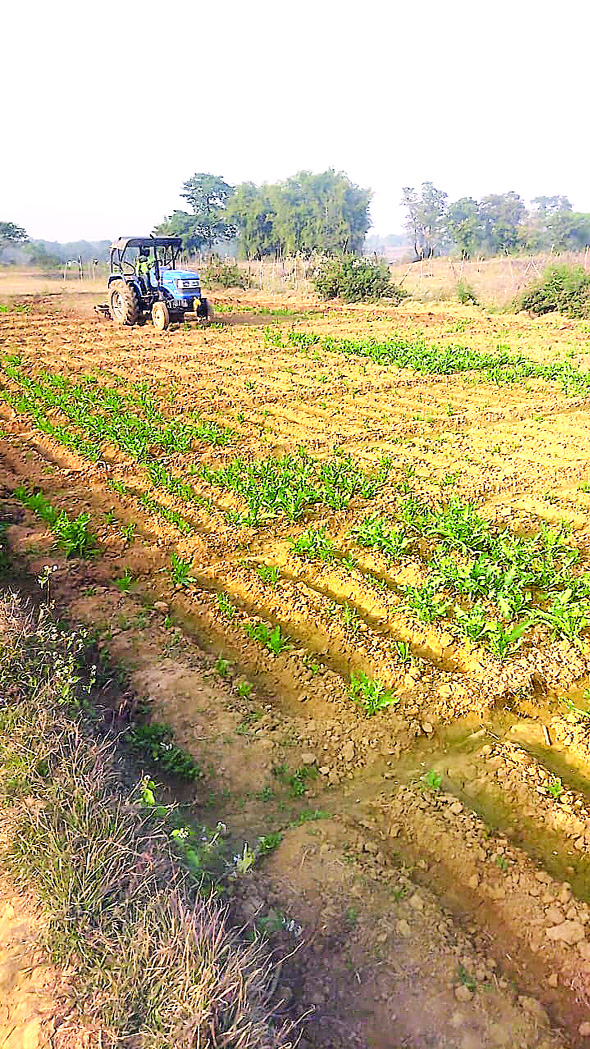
x=143, y=267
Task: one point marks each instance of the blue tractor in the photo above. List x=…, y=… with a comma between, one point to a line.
x=147, y=282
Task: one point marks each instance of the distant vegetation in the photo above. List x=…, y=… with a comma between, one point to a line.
x=565, y=289
x=307, y=213
x=354, y=279
x=498, y=224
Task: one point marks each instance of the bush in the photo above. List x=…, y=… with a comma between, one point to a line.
x=466, y=294
x=562, y=288
x=353, y=279
x=224, y=275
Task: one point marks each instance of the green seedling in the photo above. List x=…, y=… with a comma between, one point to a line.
x=222, y=666
x=370, y=694
x=128, y=532
x=404, y=651
x=270, y=637
x=432, y=779
x=376, y=532
x=555, y=788
x=226, y=606
x=180, y=571
x=466, y=979
x=124, y=582
x=245, y=689
x=313, y=543
x=269, y=573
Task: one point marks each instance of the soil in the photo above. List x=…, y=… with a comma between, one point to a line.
x=443, y=897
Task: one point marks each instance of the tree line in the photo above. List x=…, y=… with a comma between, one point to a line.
x=306, y=213
x=498, y=224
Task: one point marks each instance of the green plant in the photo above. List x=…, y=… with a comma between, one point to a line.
x=155, y=742
x=432, y=779
x=563, y=288
x=466, y=979
x=268, y=843
x=270, y=637
x=370, y=694
x=124, y=582
x=466, y=294
x=375, y=531
x=269, y=573
x=222, y=666
x=245, y=689
x=555, y=788
x=224, y=274
x=226, y=606
x=180, y=571
x=355, y=279
x=313, y=543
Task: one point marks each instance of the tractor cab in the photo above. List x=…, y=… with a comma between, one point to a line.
x=146, y=279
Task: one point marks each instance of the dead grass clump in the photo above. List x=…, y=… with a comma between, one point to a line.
x=157, y=963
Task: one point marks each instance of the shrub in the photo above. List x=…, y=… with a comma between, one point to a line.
x=224, y=275
x=466, y=294
x=353, y=279
x=562, y=288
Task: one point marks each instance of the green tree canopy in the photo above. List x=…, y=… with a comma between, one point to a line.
x=11, y=234
x=307, y=213
x=426, y=218
x=465, y=226
x=208, y=195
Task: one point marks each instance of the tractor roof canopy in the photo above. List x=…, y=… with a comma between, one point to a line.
x=137, y=242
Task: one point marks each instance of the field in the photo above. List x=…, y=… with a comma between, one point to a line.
x=344, y=553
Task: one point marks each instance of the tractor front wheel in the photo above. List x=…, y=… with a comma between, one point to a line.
x=160, y=316
x=124, y=303
x=205, y=310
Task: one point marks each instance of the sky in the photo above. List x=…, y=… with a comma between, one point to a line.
x=109, y=107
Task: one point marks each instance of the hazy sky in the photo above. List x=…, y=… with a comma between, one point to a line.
x=109, y=107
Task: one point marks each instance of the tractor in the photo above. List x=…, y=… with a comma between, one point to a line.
x=148, y=283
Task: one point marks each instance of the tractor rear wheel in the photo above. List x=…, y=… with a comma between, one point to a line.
x=160, y=316
x=124, y=304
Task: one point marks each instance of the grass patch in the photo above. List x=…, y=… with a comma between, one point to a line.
x=152, y=959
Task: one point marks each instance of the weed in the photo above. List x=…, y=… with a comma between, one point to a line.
x=245, y=689
x=432, y=779
x=268, y=843
x=370, y=694
x=222, y=666
x=555, y=788
x=155, y=742
x=376, y=532
x=466, y=979
x=124, y=582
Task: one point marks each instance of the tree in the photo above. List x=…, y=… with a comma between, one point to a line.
x=465, y=226
x=503, y=215
x=208, y=195
x=251, y=210
x=550, y=205
x=426, y=218
x=11, y=234
x=307, y=213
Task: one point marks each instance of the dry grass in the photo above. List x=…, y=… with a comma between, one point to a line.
x=157, y=964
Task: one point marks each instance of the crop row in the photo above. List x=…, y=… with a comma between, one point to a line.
x=498, y=366
x=106, y=416
x=494, y=583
